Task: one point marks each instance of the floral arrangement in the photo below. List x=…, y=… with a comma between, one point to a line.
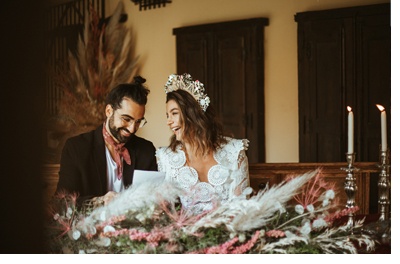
x=297, y=217
x=101, y=61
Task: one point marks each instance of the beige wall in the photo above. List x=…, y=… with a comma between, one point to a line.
x=155, y=44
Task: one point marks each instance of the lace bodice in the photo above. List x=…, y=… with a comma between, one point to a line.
x=227, y=179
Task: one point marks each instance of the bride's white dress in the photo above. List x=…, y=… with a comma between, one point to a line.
x=227, y=179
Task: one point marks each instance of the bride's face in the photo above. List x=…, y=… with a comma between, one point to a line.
x=174, y=119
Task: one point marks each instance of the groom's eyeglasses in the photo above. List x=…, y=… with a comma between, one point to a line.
x=128, y=120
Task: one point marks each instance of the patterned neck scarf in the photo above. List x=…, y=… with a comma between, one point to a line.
x=119, y=151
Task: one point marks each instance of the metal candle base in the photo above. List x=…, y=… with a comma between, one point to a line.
x=381, y=229
x=350, y=186
x=384, y=186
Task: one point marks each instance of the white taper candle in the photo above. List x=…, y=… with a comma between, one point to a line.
x=350, y=131
x=383, y=128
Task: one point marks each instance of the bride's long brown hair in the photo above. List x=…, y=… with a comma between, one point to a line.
x=203, y=130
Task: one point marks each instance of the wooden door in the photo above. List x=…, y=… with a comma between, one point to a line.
x=228, y=58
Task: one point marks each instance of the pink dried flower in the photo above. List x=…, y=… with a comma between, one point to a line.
x=64, y=227
x=275, y=233
x=118, y=233
x=223, y=248
x=179, y=218
x=247, y=246
x=113, y=220
x=220, y=249
x=332, y=217
x=61, y=194
x=313, y=190
x=172, y=246
x=155, y=236
x=135, y=234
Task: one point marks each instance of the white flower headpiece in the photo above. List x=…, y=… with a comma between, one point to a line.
x=185, y=82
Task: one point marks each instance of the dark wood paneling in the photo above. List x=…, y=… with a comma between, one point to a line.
x=263, y=174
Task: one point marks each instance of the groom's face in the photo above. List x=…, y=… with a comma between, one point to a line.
x=125, y=121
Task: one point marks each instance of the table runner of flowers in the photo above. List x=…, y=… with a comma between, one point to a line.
x=294, y=217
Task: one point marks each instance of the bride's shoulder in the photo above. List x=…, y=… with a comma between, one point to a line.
x=168, y=152
x=229, y=153
x=238, y=144
x=162, y=151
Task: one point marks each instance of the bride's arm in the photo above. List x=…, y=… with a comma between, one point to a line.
x=242, y=180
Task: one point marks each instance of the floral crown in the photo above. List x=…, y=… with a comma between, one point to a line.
x=185, y=82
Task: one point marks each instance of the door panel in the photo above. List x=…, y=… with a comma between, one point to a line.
x=231, y=88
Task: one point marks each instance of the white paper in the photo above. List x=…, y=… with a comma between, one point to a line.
x=140, y=176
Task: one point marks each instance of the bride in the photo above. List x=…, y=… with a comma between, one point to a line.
x=201, y=159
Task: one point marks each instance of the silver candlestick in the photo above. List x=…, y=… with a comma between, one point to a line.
x=384, y=186
x=381, y=229
x=350, y=186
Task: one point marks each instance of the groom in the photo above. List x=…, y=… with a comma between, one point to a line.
x=98, y=164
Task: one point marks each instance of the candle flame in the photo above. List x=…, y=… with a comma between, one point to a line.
x=349, y=108
x=381, y=108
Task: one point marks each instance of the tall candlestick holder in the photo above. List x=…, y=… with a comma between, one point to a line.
x=384, y=186
x=381, y=229
x=350, y=187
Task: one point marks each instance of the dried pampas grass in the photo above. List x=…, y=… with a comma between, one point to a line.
x=103, y=59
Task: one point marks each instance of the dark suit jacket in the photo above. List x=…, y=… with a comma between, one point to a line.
x=83, y=163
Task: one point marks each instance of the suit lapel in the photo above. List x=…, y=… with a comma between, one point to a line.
x=99, y=158
x=128, y=169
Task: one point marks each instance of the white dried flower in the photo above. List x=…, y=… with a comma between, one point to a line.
x=69, y=212
x=74, y=234
x=108, y=229
x=319, y=223
x=56, y=216
x=141, y=217
x=299, y=209
x=103, y=242
x=330, y=194
x=242, y=238
x=325, y=202
x=306, y=228
x=310, y=208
